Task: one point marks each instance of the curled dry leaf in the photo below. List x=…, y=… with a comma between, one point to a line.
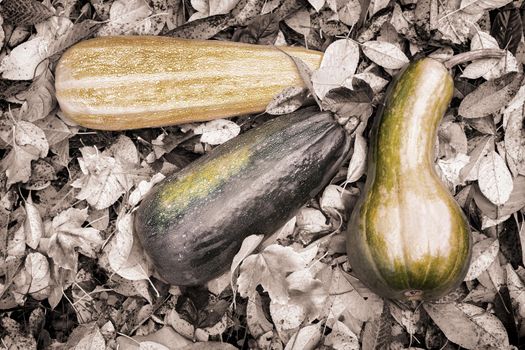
x=143, y=188
x=33, y=225
x=357, y=165
x=217, y=131
x=311, y=220
x=487, y=222
x=126, y=256
x=263, y=29
x=484, y=253
x=105, y=178
x=249, y=244
x=494, y=178
x=385, y=54
x=471, y=170
x=514, y=134
x=91, y=339
x=376, y=83
x=451, y=168
x=23, y=60
x=344, y=296
x=248, y=11
x=348, y=103
x=317, y=4
x=54, y=129
x=337, y=201
x=203, y=28
x=287, y=319
x=516, y=291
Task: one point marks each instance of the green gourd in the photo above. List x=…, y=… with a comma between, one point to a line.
x=193, y=223
x=407, y=238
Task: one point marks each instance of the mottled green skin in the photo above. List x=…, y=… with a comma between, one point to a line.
x=193, y=223
x=407, y=238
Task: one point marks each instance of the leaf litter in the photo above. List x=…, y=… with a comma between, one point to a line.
x=68, y=193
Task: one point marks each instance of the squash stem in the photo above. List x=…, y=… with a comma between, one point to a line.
x=473, y=55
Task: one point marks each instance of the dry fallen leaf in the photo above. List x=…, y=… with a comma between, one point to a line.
x=125, y=255
x=269, y=268
x=339, y=64
x=483, y=254
x=516, y=291
x=342, y=338
x=29, y=143
x=494, y=178
x=104, y=179
x=468, y=326
x=385, y=54
x=478, y=6
x=217, y=131
x=490, y=96
x=488, y=68
x=287, y=101
x=33, y=225
x=126, y=17
x=256, y=319
x=66, y=234
x=306, y=339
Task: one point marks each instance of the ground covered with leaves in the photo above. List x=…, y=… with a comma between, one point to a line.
x=74, y=277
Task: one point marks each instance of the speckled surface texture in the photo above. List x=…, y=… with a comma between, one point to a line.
x=133, y=82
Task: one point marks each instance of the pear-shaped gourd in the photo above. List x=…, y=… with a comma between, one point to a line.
x=407, y=238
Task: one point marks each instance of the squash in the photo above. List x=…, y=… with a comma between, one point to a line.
x=131, y=82
x=407, y=239
x=193, y=223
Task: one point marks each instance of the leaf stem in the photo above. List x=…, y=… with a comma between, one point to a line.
x=473, y=55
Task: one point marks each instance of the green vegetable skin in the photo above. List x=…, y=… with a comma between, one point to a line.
x=407, y=238
x=193, y=223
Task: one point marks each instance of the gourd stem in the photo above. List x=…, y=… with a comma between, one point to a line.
x=473, y=55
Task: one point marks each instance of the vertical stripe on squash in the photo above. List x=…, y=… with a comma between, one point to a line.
x=130, y=82
x=407, y=238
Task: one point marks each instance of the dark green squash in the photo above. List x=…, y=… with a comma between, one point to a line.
x=193, y=223
x=407, y=238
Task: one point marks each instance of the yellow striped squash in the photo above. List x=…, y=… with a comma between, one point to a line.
x=130, y=82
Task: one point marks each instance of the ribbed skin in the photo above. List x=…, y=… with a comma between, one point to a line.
x=130, y=82
x=407, y=238
x=193, y=223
